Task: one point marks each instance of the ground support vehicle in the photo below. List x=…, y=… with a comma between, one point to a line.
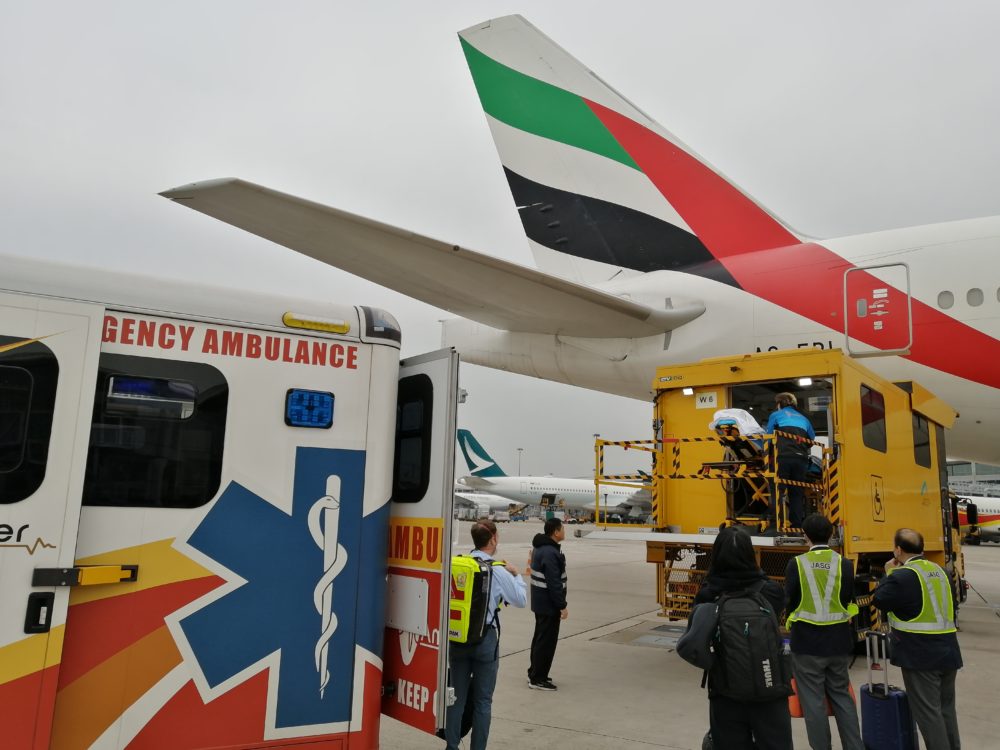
x=223, y=517
x=879, y=464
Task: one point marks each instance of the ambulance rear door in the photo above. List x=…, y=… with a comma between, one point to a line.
x=415, y=653
x=48, y=364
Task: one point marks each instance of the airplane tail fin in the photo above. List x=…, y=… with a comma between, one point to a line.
x=600, y=187
x=480, y=463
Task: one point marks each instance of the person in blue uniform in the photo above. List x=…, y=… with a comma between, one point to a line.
x=792, y=454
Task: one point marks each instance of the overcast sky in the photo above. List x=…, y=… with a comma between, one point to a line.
x=838, y=117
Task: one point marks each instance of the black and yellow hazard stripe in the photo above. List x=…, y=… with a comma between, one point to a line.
x=793, y=482
x=637, y=478
x=833, y=483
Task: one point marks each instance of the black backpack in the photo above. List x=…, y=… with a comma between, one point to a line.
x=750, y=663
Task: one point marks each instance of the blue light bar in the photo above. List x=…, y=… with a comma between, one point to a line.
x=308, y=408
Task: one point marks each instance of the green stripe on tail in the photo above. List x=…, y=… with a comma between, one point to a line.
x=537, y=107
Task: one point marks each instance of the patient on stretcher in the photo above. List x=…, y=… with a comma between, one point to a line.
x=733, y=423
x=742, y=437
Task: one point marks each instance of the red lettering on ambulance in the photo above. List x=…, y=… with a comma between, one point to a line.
x=186, y=333
x=232, y=343
x=272, y=348
x=145, y=333
x=418, y=543
x=433, y=543
x=253, y=346
x=302, y=353
x=336, y=355
x=211, y=343
x=128, y=326
x=319, y=353
x=352, y=358
x=110, y=332
x=166, y=337
x=401, y=548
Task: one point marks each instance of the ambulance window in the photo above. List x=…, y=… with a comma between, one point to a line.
x=412, y=462
x=28, y=375
x=157, y=434
x=873, y=419
x=921, y=441
x=15, y=405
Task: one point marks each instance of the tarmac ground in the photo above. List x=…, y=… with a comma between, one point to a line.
x=622, y=687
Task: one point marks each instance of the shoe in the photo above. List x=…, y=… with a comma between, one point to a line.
x=547, y=685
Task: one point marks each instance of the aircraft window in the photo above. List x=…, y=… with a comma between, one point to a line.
x=157, y=434
x=921, y=441
x=412, y=463
x=28, y=377
x=946, y=300
x=873, y=419
x=974, y=297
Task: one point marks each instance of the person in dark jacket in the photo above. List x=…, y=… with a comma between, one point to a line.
x=738, y=725
x=923, y=643
x=822, y=636
x=547, y=565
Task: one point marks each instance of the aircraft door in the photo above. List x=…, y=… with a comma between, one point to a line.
x=877, y=310
x=48, y=363
x=415, y=654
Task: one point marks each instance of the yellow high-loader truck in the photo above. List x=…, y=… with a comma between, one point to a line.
x=877, y=464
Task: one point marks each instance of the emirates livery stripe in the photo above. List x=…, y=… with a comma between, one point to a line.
x=724, y=218
x=540, y=108
x=804, y=278
x=732, y=239
x=594, y=229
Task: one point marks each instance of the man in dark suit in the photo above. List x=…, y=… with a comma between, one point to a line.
x=916, y=596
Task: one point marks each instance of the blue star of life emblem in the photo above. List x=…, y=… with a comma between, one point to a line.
x=304, y=575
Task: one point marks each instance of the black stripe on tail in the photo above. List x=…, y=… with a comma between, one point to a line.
x=609, y=233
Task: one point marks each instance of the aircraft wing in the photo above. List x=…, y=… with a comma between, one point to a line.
x=480, y=287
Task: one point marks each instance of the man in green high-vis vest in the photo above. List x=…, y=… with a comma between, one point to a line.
x=916, y=596
x=819, y=586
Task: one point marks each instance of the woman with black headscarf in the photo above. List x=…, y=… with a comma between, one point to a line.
x=740, y=724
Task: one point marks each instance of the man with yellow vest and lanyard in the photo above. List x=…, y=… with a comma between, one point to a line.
x=916, y=596
x=819, y=589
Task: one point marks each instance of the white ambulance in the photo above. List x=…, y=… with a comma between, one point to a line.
x=223, y=517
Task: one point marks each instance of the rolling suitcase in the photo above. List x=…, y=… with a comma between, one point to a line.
x=886, y=720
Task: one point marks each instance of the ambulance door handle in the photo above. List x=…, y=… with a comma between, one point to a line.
x=38, y=618
x=85, y=575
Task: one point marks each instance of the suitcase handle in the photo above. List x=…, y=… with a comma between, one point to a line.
x=877, y=649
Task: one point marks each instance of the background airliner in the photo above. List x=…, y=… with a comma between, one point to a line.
x=648, y=256
x=564, y=492
x=987, y=513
